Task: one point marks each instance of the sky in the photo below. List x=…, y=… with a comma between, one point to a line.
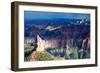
x=37, y=15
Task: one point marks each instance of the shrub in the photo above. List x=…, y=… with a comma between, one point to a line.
x=27, y=53
x=41, y=56
x=71, y=53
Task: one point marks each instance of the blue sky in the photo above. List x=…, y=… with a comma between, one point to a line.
x=34, y=15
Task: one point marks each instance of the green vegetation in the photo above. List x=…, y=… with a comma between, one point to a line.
x=28, y=58
x=30, y=55
x=43, y=56
x=27, y=53
x=69, y=53
x=27, y=49
x=55, y=54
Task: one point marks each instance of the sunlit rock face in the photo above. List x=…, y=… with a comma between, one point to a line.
x=52, y=43
x=42, y=44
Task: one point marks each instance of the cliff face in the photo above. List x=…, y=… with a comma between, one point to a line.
x=62, y=43
x=43, y=44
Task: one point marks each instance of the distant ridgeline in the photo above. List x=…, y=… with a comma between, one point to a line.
x=57, y=21
x=34, y=27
